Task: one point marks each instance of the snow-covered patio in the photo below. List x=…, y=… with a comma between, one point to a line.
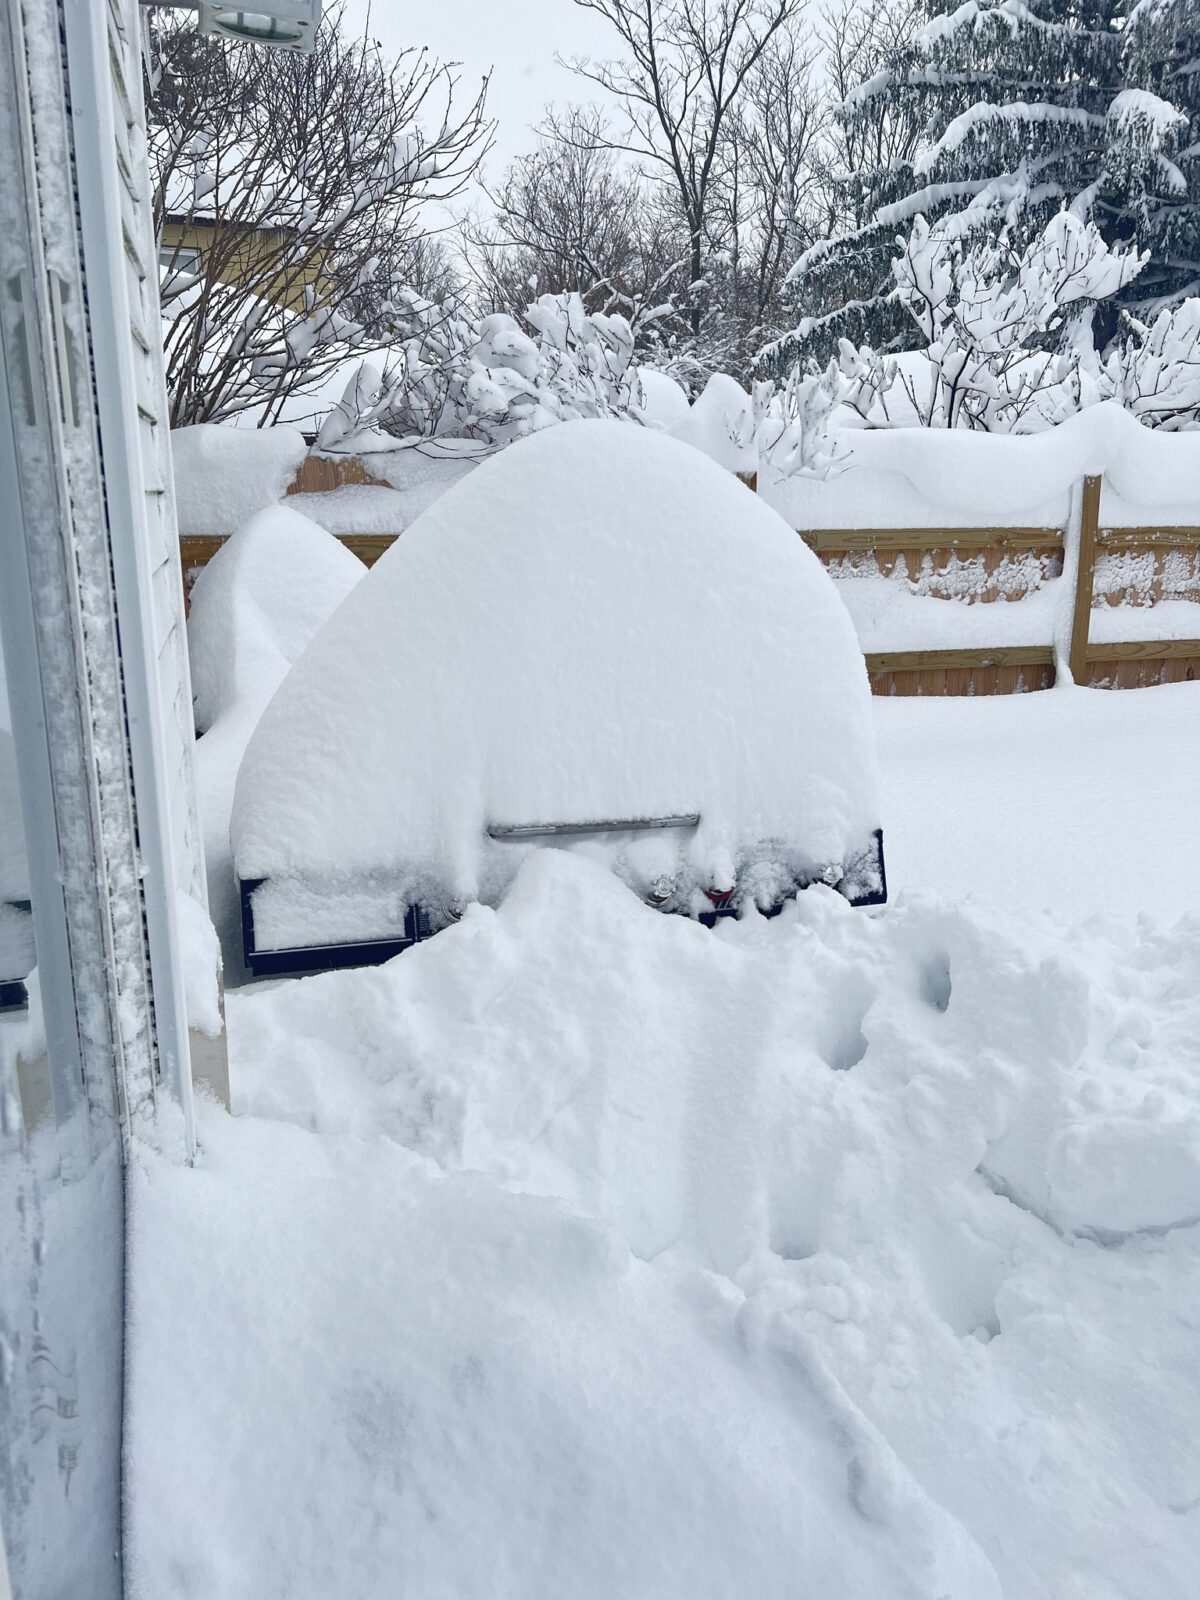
x=583, y=1251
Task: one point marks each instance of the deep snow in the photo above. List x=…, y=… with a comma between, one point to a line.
x=583, y=1252
x=1080, y=801
x=255, y=607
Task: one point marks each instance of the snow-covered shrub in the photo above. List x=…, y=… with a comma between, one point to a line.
x=798, y=430
x=791, y=425
x=1006, y=341
x=1156, y=370
x=459, y=378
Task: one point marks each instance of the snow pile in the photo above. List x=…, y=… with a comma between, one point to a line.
x=605, y=1255
x=664, y=402
x=1009, y=475
x=892, y=614
x=415, y=480
x=255, y=607
x=722, y=423
x=978, y=479
x=597, y=624
x=929, y=478
x=224, y=475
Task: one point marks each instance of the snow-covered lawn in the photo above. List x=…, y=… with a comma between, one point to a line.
x=583, y=1252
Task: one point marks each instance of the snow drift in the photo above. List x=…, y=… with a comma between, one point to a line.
x=224, y=475
x=255, y=607
x=843, y=1254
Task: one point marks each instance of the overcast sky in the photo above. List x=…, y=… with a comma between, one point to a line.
x=516, y=39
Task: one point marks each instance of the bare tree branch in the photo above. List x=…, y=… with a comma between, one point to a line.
x=299, y=180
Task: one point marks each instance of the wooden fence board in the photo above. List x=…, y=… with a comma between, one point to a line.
x=320, y=474
x=1089, y=523
x=1033, y=655
x=197, y=550
x=1144, y=650
x=847, y=541
x=941, y=554
x=1147, y=538
x=1111, y=673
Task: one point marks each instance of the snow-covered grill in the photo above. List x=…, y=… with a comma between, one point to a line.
x=597, y=642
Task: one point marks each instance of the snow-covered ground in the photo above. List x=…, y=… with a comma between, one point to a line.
x=583, y=1252
x=1079, y=801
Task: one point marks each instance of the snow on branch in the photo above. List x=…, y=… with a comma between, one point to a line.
x=456, y=382
x=1004, y=333
x=984, y=115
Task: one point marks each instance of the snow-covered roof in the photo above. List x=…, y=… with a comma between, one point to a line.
x=599, y=623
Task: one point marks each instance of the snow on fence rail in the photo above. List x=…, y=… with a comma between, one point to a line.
x=1117, y=566
x=988, y=607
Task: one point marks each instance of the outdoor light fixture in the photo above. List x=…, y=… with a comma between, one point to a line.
x=280, y=24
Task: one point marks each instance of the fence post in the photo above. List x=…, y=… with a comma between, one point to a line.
x=1085, y=572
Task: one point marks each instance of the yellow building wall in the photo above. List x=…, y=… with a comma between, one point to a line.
x=240, y=257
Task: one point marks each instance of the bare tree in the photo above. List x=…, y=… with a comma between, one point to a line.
x=289, y=188
x=568, y=218
x=776, y=191
x=680, y=83
x=859, y=39
x=564, y=218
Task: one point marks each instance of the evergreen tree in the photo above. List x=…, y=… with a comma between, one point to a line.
x=1161, y=58
x=1024, y=107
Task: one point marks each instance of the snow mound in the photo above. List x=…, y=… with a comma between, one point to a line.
x=913, y=477
x=607, y=1256
x=255, y=607
x=1011, y=474
x=516, y=1407
x=258, y=603
x=721, y=423
x=664, y=402
x=416, y=480
x=596, y=624
x=224, y=475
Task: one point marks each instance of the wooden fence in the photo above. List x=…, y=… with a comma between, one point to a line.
x=1166, y=565
x=1136, y=566
x=316, y=475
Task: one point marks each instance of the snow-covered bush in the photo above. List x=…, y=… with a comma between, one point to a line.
x=1156, y=370
x=798, y=430
x=1006, y=342
x=793, y=425
x=461, y=379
